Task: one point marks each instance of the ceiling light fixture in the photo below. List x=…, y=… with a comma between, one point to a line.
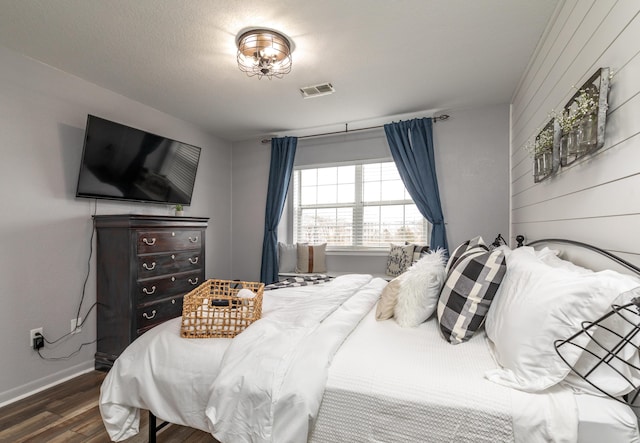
x=264, y=52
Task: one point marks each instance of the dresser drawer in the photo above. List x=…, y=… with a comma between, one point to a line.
x=144, y=266
x=149, y=242
x=161, y=264
x=150, y=289
x=153, y=314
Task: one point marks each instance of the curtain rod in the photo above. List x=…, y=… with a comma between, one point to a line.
x=346, y=129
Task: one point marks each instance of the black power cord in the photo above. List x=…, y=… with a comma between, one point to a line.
x=84, y=290
x=65, y=357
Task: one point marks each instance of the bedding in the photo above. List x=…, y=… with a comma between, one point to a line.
x=327, y=371
x=299, y=280
x=419, y=290
x=173, y=377
x=311, y=258
x=388, y=298
x=394, y=384
x=538, y=304
x=287, y=257
x=471, y=284
x=476, y=242
x=399, y=259
x=275, y=394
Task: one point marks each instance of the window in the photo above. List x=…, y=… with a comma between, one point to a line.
x=354, y=206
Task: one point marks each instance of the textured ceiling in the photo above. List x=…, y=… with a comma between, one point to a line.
x=384, y=57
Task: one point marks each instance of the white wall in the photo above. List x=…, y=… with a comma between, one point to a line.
x=472, y=157
x=45, y=230
x=473, y=174
x=249, y=197
x=596, y=199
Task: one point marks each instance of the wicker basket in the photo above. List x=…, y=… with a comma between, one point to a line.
x=214, y=309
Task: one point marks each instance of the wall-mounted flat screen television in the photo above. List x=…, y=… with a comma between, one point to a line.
x=124, y=163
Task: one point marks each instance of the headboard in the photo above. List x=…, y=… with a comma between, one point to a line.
x=583, y=254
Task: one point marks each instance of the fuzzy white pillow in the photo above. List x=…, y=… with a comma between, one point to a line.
x=419, y=290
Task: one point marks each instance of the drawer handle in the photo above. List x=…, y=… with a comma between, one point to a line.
x=149, y=317
x=152, y=291
x=173, y=302
x=194, y=239
x=173, y=257
x=151, y=242
x=193, y=261
x=194, y=282
x=149, y=268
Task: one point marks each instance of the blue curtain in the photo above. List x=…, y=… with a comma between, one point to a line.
x=283, y=151
x=411, y=144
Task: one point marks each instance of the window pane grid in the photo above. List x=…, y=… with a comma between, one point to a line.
x=355, y=206
x=326, y=225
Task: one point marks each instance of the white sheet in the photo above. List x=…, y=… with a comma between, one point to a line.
x=392, y=384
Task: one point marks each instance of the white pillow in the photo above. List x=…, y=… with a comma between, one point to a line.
x=419, y=289
x=287, y=258
x=399, y=259
x=544, y=252
x=389, y=298
x=536, y=305
x=620, y=376
x=556, y=262
x=311, y=258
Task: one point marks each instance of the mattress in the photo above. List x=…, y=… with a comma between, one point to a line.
x=605, y=420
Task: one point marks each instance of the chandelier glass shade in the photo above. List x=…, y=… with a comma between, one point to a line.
x=264, y=53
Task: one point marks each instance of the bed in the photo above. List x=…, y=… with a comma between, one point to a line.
x=328, y=371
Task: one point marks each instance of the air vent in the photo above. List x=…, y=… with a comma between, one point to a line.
x=317, y=90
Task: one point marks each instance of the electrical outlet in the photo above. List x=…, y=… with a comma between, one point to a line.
x=32, y=335
x=75, y=325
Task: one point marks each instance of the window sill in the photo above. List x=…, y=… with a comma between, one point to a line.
x=359, y=252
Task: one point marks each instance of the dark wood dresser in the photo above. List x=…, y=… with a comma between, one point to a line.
x=145, y=265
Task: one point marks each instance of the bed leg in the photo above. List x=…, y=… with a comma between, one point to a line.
x=152, y=428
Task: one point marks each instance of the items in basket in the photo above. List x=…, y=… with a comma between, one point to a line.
x=221, y=308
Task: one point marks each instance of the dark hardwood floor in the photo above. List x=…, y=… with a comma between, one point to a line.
x=69, y=412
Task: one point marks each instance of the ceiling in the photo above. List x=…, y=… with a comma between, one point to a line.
x=385, y=58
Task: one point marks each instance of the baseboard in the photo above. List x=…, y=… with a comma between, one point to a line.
x=47, y=382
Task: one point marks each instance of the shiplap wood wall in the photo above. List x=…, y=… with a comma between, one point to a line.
x=596, y=199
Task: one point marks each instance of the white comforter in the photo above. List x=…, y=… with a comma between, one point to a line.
x=175, y=378
x=275, y=394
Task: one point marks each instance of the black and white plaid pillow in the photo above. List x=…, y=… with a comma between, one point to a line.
x=419, y=251
x=468, y=291
x=464, y=247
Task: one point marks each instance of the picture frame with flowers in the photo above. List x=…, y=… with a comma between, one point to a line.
x=582, y=121
x=545, y=151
